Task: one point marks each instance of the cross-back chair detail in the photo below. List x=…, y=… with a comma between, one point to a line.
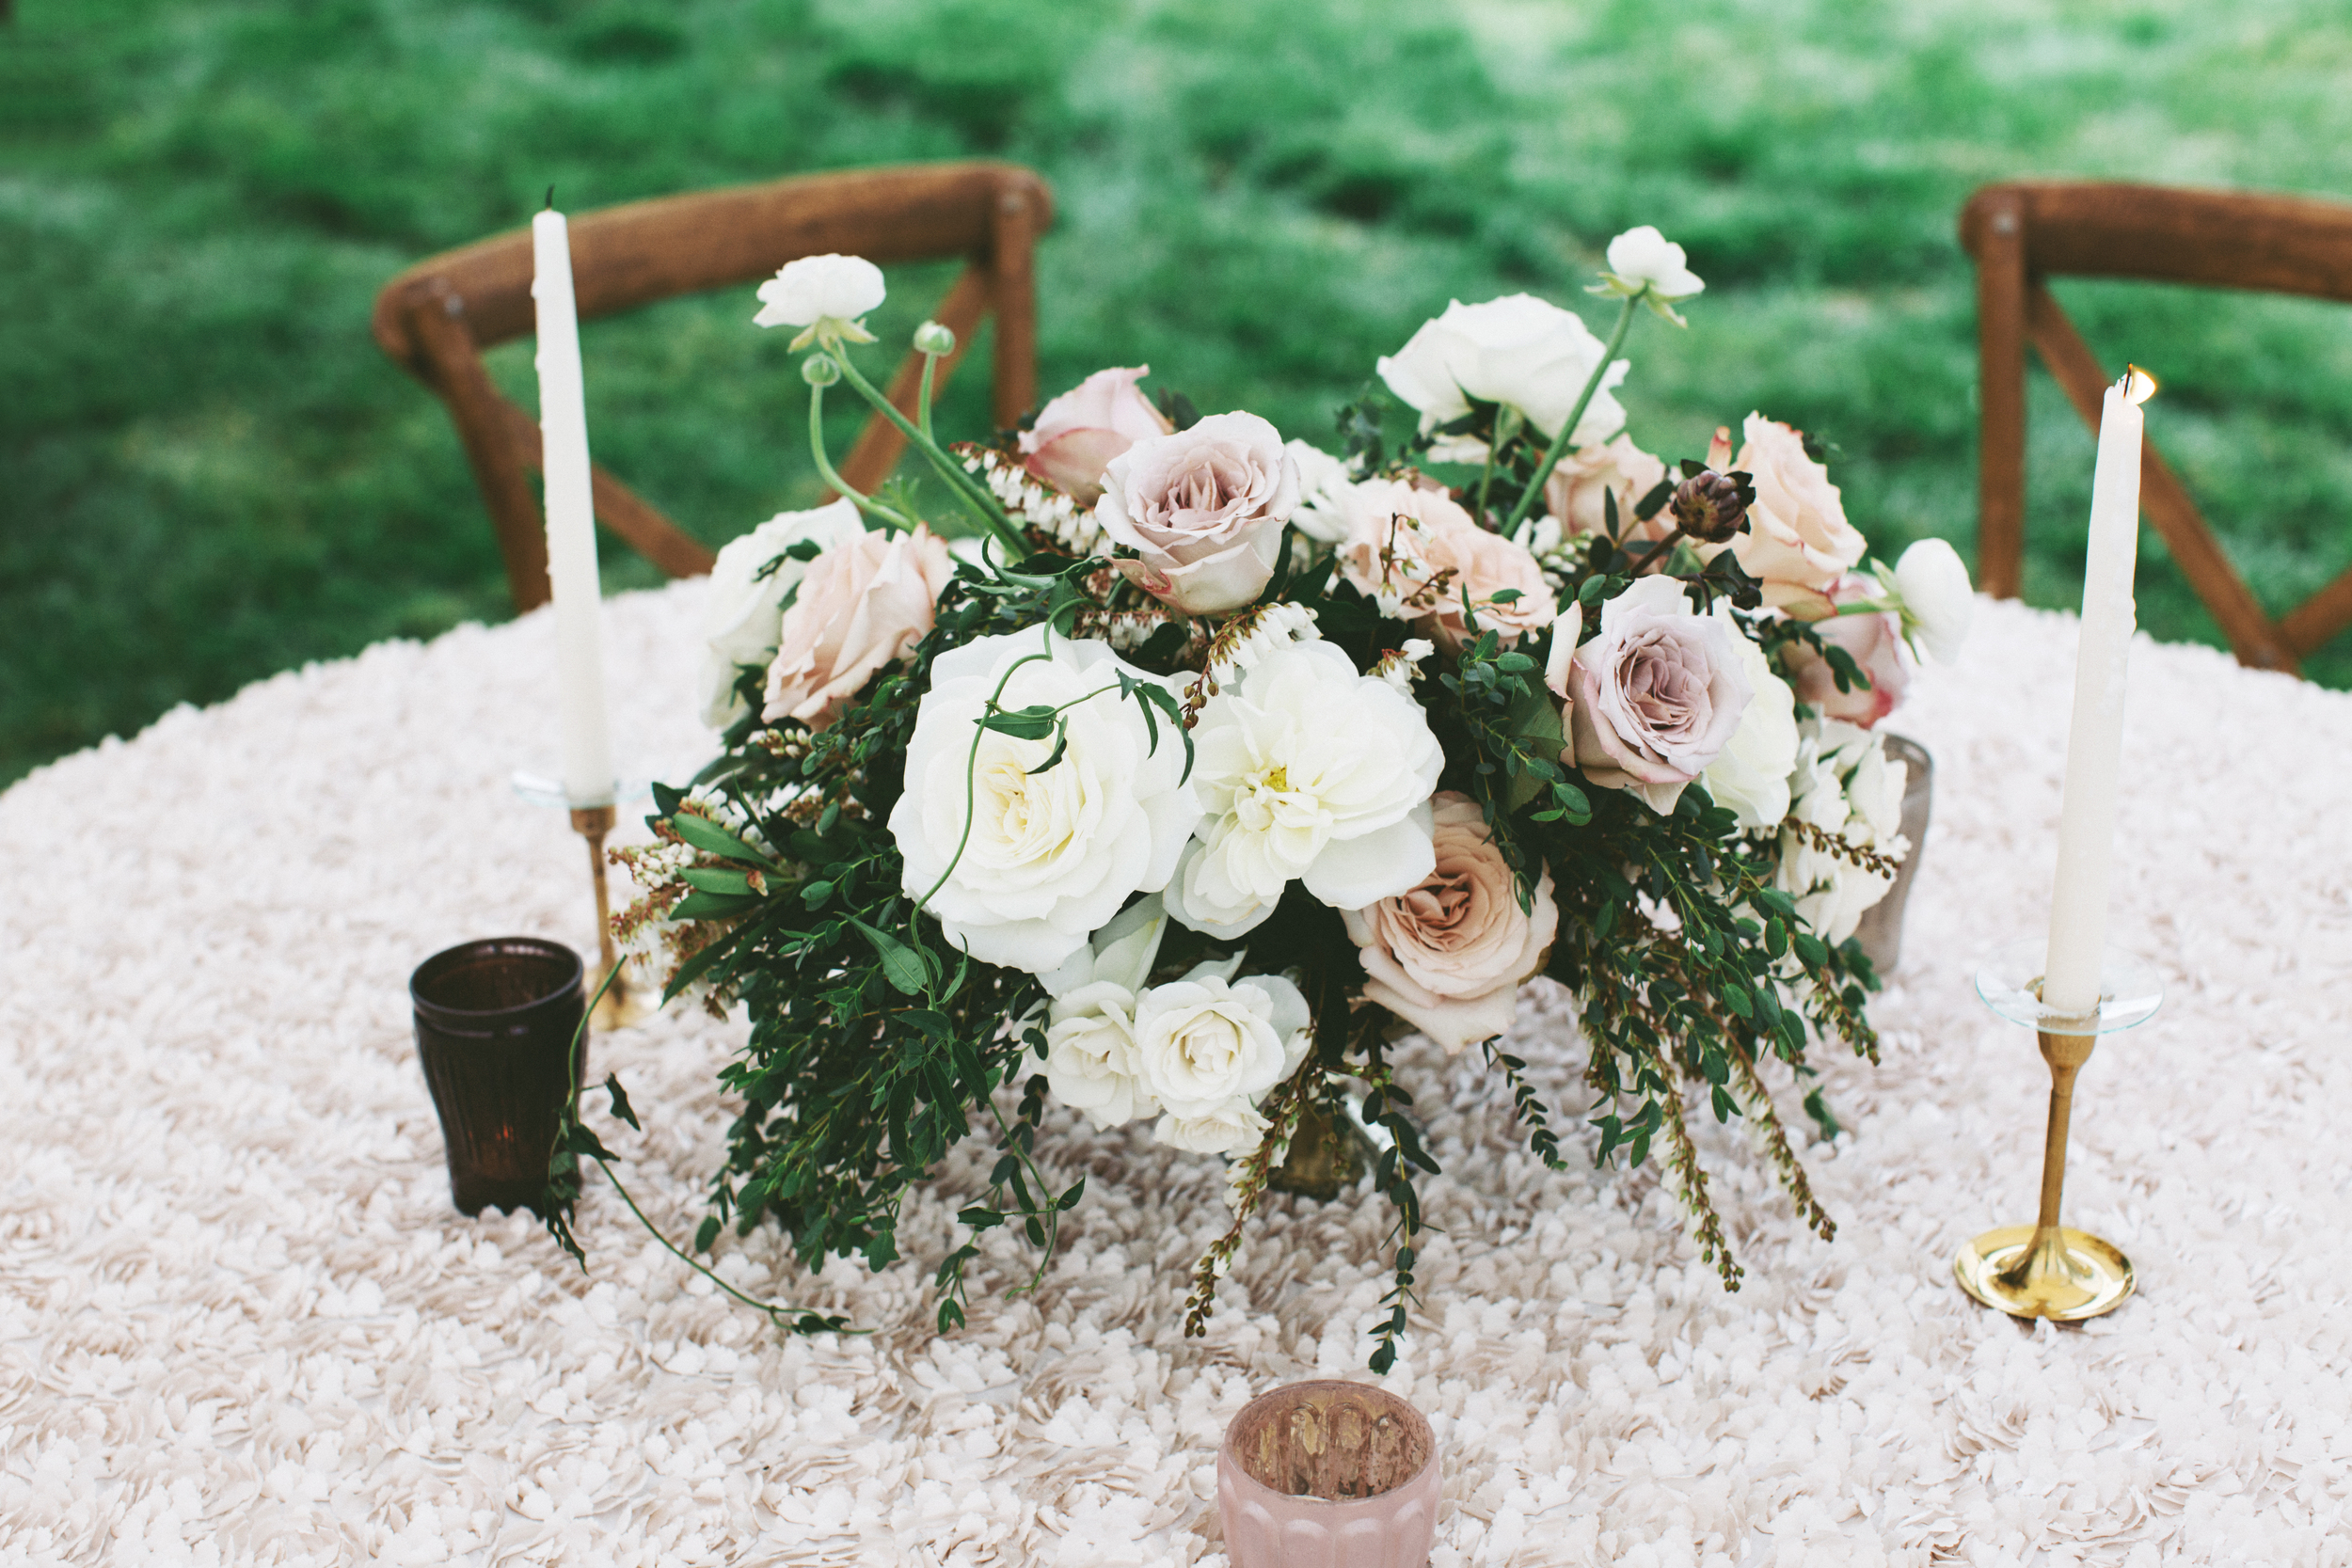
x=2024, y=232
x=434, y=319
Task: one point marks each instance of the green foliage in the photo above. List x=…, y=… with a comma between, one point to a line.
x=212, y=475
x=873, y=1045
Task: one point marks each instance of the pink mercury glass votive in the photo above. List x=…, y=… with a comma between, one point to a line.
x=1329, y=1475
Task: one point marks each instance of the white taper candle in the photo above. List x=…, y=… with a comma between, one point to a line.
x=571, y=519
x=2094, y=747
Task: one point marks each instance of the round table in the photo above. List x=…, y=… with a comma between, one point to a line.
x=240, y=1321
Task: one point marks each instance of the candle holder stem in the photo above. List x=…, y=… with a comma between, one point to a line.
x=2045, y=1269
x=623, y=1004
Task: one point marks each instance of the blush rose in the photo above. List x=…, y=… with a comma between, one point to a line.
x=862, y=604
x=1656, y=696
x=1204, y=510
x=1577, y=491
x=1448, y=956
x=1078, y=434
x=1797, y=543
x=1420, y=552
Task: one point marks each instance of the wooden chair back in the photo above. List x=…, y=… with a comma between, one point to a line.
x=2024, y=232
x=434, y=319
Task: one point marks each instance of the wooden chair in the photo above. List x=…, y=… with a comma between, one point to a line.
x=2024, y=232
x=434, y=319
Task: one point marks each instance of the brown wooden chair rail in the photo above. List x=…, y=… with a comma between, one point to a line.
x=434, y=319
x=2024, y=232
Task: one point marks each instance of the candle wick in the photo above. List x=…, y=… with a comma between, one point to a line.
x=550, y=198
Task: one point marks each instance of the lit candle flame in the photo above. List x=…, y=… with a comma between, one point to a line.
x=2139, y=385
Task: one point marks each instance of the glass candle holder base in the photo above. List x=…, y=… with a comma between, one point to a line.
x=2047, y=1270
x=626, y=1003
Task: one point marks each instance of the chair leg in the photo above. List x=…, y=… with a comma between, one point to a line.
x=2319, y=618
x=2001, y=394
x=2162, y=498
x=1013, y=266
x=478, y=411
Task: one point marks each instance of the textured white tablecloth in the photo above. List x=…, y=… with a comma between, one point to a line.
x=240, y=1322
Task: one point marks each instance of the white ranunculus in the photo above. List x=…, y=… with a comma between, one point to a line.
x=1519, y=351
x=1324, y=483
x=743, y=611
x=1051, y=855
x=817, y=290
x=1205, y=1040
x=1931, y=581
x=1306, y=770
x=1751, y=776
x=1644, y=258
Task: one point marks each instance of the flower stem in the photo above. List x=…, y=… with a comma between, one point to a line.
x=971, y=769
x=923, y=398
x=981, y=502
x=1560, y=443
x=872, y=508
x=1495, y=437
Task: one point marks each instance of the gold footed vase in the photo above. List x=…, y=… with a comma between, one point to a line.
x=625, y=1002
x=1326, y=1156
x=2047, y=1270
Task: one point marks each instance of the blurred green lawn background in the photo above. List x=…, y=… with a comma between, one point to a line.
x=207, y=473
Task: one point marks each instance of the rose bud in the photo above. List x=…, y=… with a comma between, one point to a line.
x=1712, y=506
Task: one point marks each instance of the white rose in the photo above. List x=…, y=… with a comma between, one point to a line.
x=1938, y=602
x=1751, y=776
x=1644, y=258
x=820, y=289
x=1090, y=1059
x=1306, y=770
x=743, y=611
x=1051, y=855
x=1234, y=1128
x=1323, y=489
x=1204, y=1041
x=1519, y=351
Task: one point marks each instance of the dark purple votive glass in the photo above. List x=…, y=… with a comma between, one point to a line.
x=495, y=1022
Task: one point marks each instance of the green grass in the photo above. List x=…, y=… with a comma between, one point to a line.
x=207, y=473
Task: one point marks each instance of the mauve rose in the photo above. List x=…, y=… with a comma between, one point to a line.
x=1657, y=694
x=1417, y=551
x=863, y=603
x=1204, y=508
x=1449, y=955
x=1876, y=642
x=1575, y=492
x=1798, y=543
x=1077, y=434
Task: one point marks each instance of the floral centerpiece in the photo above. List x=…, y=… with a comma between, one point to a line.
x=1159, y=768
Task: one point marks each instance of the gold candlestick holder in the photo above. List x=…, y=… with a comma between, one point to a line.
x=2045, y=1269
x=624, y=1004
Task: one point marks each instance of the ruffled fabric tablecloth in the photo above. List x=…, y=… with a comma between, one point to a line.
x=240, y=1322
